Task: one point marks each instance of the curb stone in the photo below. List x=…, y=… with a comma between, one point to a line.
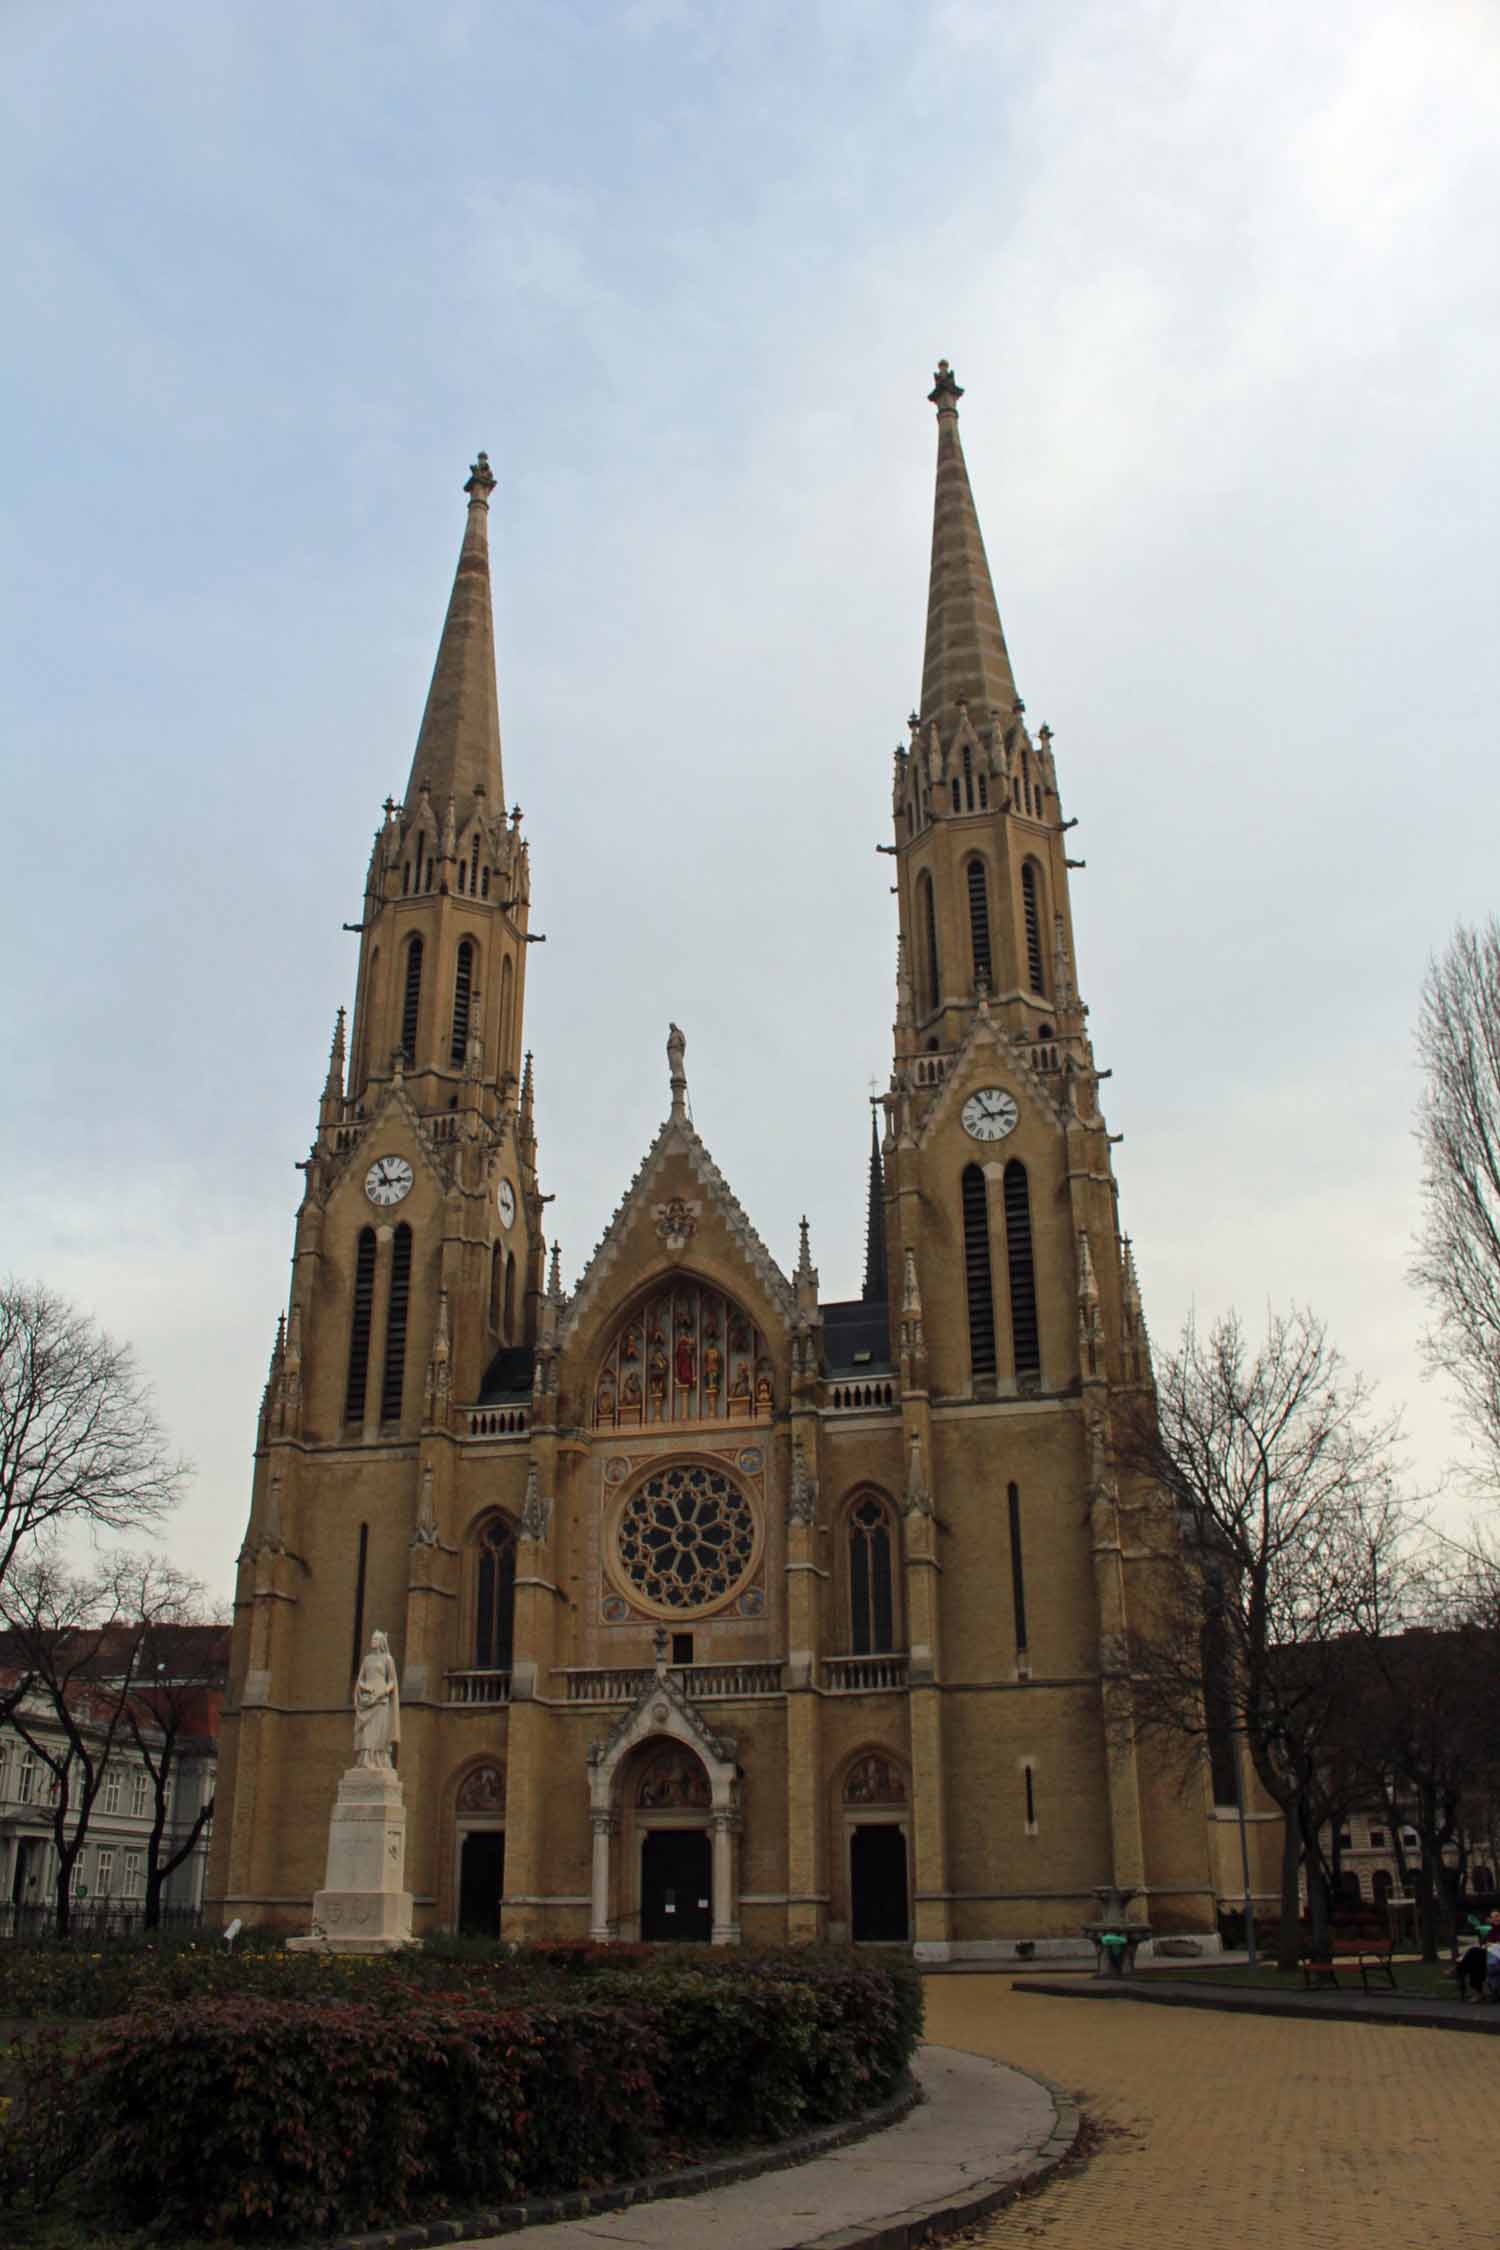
x=694, y=2179
x=933, y=2222
x=1312, y=2007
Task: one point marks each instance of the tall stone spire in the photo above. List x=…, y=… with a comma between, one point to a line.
x=458, y=746
x=966, y=660
x=876, y=1282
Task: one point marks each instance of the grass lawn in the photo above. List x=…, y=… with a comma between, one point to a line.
x=1428, y=1980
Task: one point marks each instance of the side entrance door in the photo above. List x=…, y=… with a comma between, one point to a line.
x=481, y=1879
x=675, y=1894
x=877, y=1871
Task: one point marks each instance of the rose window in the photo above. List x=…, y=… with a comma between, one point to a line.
x=686, y=1538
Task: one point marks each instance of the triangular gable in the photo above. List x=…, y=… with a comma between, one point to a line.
x=392, y=1099
x=662, y=1710
x=678, y=1137
x=984, y=1032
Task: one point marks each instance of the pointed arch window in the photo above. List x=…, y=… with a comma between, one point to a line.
x=496, y=1258
x=979, y=919
x=958, y=803
x=927, y=918
x=1025, y=1335
x=872, y=1593
x=474, y=866
x=968, y=778
x=463, y=987
x=411, y=999
x=495, y=1597
x=359, y=1326
x=977, y=1277
x=462, y=878
x=484, y=882
x=1031, y=911
x=393, y=1382
x=508, y=1310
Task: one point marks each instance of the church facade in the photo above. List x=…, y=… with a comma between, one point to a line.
x=721, y=1611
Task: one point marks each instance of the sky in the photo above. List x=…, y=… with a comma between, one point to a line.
x=1223, y=289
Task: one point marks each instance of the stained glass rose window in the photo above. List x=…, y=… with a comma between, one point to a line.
x=685, y=1539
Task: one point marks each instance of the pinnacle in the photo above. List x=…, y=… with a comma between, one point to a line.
x=458, y=745
x=966, y=661
x=876, y=1283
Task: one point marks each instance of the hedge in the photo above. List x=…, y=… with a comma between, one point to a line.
x=255, y=2119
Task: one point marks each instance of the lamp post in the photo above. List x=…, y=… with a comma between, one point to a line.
x=1239, y=1806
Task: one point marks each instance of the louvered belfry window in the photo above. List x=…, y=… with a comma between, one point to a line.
x=1032, y=912
x=463, y=986
x=929, y=940
x=359, y=1326
x=395, y=1326
x=977, y=1279
x=1023, y=1316
x=411, y=999
x=979, y=919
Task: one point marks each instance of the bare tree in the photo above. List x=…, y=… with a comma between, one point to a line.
x=79, y=1440
x=80, y=1644
x=1291, y=1542
x=173, y=1715
x=1458, y=1256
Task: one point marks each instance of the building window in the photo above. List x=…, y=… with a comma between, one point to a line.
x=872, y=1608
x=927, y=919
x=1377, y=1839
x=1028, y=1778
x=508, y=1308
x=359, y=1326
x=76, y=1874
x=132, y=1880
x=138, y=1795
x=463, y=986
x=1025, y=1336
x=395, y=1326
x=496, y=1260
x=1032, y=915
x=104, y=1881
x=979, y=919
x=494, y=1622
x=507, y=1010
x=411, y=999
x=113, y=1782
x=26, y=1780
x=977, y=1272
x=4, y=1769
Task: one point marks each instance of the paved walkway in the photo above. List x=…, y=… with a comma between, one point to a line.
x=1243, y=2130
x=980, y=2122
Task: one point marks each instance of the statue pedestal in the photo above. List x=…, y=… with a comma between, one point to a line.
x=363, y=1906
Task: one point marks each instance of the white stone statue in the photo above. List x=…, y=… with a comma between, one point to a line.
x=377, y=1706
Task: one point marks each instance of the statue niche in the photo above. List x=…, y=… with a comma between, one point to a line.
x=688, y=1354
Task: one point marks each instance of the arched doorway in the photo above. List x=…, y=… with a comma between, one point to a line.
x=479, y=1834
x=874, y=1808
x=672, y=1802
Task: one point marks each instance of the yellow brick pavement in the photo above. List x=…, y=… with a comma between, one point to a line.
x=1245, y=2130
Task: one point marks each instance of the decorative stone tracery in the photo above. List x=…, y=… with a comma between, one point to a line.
x=874, y=1780
x=685, y=1539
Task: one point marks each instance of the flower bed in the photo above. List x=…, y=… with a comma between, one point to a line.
x=254, y=2117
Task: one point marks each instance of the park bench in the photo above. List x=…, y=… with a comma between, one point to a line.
x=1370, y=1955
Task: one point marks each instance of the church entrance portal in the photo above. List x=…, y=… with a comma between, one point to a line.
x=481, y=1879
x=877, y=1881
x=675, y=1888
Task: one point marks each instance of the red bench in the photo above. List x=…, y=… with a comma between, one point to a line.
x=1371, y=1956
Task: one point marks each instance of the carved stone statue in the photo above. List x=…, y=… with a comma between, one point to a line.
x=377, y=1706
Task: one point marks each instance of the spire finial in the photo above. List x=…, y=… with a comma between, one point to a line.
x=877, y=1283
x=554, y=1278
x=458, y=745
x=677, y=1074
x=804, y=1248
x=481, y=483
x=946, y=389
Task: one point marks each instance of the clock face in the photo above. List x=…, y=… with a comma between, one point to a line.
x=388, y=1179
x=989, y=1114
x=505, y=1197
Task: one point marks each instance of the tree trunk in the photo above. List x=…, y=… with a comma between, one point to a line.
x=1427, y=1912
x=63, y=1889
x=1289, y=1931
x=1319, y=1914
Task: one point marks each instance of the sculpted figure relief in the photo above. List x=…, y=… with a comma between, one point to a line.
x=377, y=1706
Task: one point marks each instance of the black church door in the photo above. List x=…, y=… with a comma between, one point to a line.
x=481, y=1879
x=675, y=1893
x=877, y=1878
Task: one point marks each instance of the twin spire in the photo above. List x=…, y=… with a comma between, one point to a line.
x=966, y=660
x=458, y=744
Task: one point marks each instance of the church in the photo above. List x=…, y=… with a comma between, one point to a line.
x=722, y=1611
